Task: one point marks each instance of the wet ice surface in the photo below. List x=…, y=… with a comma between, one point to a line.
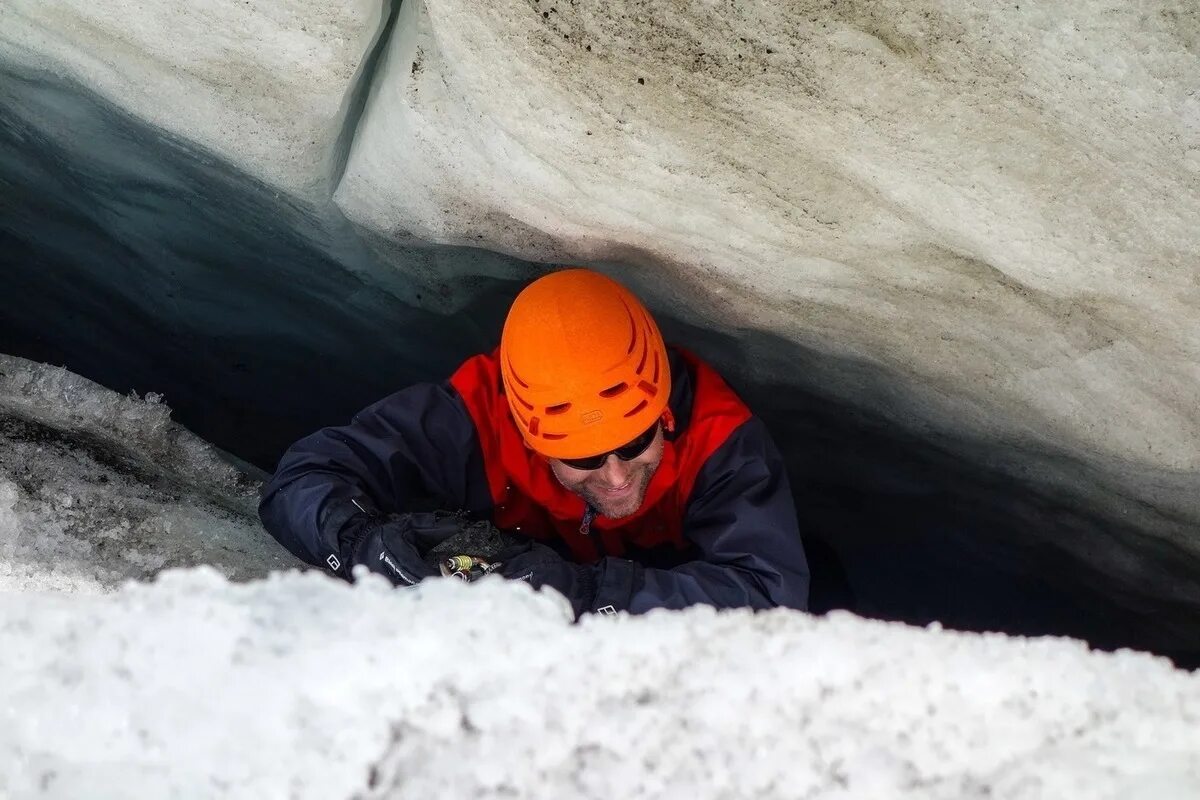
x=97, y=488
x=302, y=686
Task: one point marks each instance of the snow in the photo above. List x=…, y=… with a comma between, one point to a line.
x=300, y=686
x=96, y=488
x=184, y=683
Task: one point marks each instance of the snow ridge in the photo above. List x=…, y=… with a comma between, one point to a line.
x=301, y=686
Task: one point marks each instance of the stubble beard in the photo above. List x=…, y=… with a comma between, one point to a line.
x=605, y=508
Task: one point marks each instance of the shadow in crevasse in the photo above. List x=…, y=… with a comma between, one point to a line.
x=924, y=529
x=146, y=264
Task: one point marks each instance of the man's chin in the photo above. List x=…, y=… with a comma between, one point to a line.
x=616, y=510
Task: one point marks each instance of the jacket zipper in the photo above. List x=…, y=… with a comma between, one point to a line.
x=585, y=528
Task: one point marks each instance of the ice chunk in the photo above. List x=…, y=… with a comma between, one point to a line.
x=96, y=488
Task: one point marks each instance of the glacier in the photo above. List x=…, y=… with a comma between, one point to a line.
x=947, y=251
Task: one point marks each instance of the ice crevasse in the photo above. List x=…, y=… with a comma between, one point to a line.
x=978, y=222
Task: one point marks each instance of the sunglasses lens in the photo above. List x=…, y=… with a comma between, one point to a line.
x=589, y=463
x=626, y=452
x=637, y=446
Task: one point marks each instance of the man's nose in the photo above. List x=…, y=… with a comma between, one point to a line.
x=615, y=472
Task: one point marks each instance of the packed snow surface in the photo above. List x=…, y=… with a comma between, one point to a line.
x=300, y=686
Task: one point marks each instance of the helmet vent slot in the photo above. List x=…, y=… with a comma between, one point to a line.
x=632, y=330
x=528, y=406
x=561, y=408
x=554, y=436
x=613, y=391
x=649, y=388
x=516, y=377
x=645, y=352
x=655, y=378
x=534, y=424
x=637, y=408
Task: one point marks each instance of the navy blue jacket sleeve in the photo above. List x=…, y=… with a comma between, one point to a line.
x=417, y=445
x=742, y=519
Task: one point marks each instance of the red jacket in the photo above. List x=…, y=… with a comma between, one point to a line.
x=527, y=498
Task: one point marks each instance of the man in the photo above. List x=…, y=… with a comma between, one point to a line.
x=632, y=475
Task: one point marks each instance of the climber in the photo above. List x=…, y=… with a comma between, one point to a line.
x=623, y=473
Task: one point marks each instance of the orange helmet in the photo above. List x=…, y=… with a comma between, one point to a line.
x=584, y=366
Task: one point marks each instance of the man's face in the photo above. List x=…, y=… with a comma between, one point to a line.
x=618, y=488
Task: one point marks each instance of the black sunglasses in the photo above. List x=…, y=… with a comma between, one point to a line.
x=626, y=452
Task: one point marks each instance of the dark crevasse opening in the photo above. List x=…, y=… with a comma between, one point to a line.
x=147, y=265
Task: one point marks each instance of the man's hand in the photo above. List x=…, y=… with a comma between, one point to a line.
x=395, y=546
x=541, y=566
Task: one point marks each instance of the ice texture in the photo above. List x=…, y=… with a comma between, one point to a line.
x=97, y=488
x=266, y=86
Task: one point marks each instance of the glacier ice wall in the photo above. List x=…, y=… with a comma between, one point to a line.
x=948, y=252
x=265, y=87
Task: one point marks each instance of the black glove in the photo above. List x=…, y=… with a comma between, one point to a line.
x=395, y=546
x=541, y=566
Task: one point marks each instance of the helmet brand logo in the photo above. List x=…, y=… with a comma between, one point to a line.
x=591, y=417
